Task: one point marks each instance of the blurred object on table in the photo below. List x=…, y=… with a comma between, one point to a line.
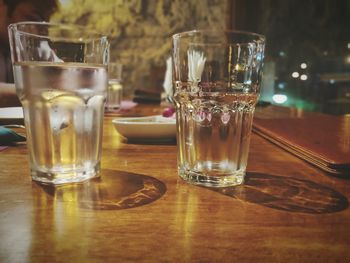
x=168, y=92
x=115, y=87
x=9, y=137
x=147, y=96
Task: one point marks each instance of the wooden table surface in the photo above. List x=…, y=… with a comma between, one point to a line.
x=141, y=211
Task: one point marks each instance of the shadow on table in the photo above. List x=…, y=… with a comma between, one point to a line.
x=115, y=190
x=288, y=194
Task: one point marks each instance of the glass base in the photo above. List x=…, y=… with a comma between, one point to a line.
x=200, y=178
x=65, y=177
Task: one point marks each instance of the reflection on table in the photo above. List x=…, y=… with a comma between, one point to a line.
x=139, y=210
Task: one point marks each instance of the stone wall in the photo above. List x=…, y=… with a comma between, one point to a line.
x=140, y=30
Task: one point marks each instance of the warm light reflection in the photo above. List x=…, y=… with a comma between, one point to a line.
x=344, y=141
x=57, y=208
x=110, y=131
x=65, y=205
x=186, y=215
x=347, y=60
x=279, y=98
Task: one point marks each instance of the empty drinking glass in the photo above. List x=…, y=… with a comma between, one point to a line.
x=217, y=77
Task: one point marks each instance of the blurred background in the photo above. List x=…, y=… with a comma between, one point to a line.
x=308, y=42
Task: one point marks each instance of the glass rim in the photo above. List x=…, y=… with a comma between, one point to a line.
x=258, y=37
x=70, y=27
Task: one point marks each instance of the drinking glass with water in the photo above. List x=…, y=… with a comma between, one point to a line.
x=61, y=80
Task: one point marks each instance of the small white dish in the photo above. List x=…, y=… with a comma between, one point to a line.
x=11, y=113
x=146, y=128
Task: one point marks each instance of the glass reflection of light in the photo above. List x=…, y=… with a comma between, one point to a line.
x=259, y=57
x=295, y=74
x=279, y=98
x=303, y=77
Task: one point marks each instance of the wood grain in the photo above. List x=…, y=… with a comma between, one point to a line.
x=141, y=211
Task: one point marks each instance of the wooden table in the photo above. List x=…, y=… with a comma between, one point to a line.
x=141, y=211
